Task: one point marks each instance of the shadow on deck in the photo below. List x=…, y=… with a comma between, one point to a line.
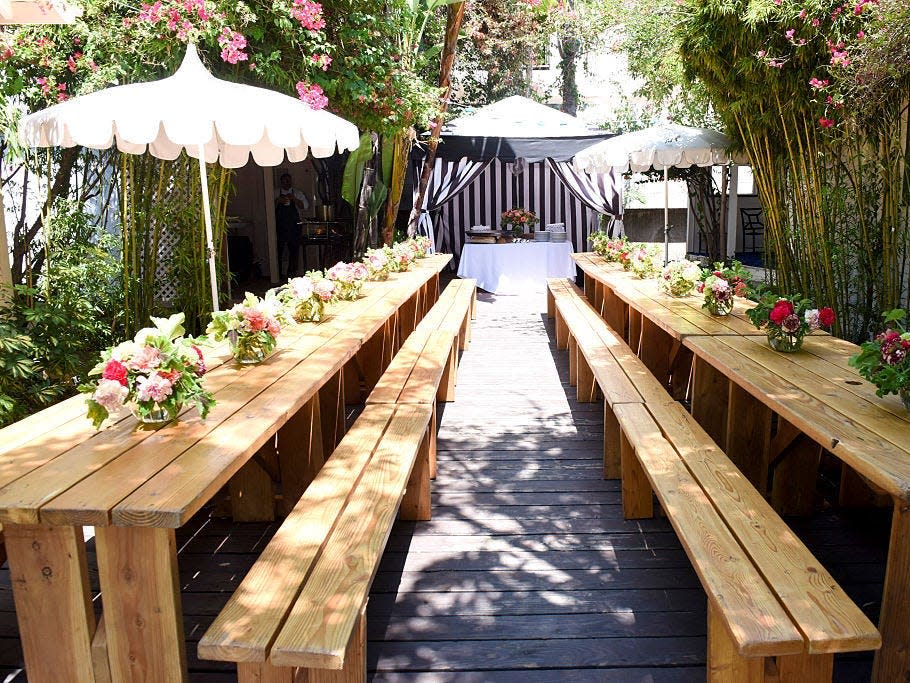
x=527, y=572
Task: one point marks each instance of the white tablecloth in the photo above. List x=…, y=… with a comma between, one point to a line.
x=516, y=268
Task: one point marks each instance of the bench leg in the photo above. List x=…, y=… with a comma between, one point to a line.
x=562, y=331
x=263, y=672
x=586, y=391
x=725, y=664
x=892, y=662
x=433, y=435
x=465, y=333
x=804, y=668
x=49, y=575
x=551, y=302
x=572, y=347
x=446, y=390
x=355, y=660
x=637, y=501
x=612, y=437
x=415, y=506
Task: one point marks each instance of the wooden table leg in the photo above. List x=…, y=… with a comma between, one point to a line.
x=590, y=287
x=892, y=662
x=141, y=595
x=748, y=436
x=710, y=393
x=407, y=317
x=300, y=453
x=655, y=349
x=49, y=574
x=615, y=312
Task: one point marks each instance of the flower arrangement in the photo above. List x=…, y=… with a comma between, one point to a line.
x=720, y=285
x=252, y=327
x=348, y=279
x=306, y=297
x=423, y=245
x=885, y=361
x=377, y=263
x=155, y=374
x=641, y=260
x=518, y=219
x=400, y=257
x=788, y=319
x=612, y=249
x=680, y=277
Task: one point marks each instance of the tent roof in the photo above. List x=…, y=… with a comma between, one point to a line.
x=516, y=127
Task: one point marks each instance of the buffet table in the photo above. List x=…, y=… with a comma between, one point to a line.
x=516, y=268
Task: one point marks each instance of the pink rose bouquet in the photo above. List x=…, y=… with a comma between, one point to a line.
x=377, y=263
x=252, y=327
x=519, y=220
x=885, y=360
x=155, y=374
x=348, y=278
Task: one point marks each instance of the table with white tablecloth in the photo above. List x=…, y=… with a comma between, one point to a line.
x=516, y=268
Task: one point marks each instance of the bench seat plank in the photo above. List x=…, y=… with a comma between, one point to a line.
x=829, y=619
x=246, y=627
x=757, y=623
x=319, y=627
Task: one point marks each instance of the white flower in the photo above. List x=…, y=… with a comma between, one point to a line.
x=301, y=287
x=110, y=394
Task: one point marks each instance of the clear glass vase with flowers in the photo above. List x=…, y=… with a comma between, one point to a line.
x=885, y=360
x=306, y=297
x=251, y=327
x=679, y=278
x=400, y=257
x=348, y=279
x=377, y=263
x=519, y=221
x=642, y=261
x=720, y=285
x=155, y=374
x=788, y=319
x=422, y=244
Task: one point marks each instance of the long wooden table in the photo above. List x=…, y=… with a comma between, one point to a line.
x=778, y=412
x=274, y=421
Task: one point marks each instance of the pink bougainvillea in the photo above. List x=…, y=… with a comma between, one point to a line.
x=312, y=95
x=309, y=14
x=232, y=44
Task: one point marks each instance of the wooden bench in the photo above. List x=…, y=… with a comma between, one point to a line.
x=302, y=604
x=773, y=611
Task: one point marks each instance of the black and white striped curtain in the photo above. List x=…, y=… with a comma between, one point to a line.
x=538, y=188
x=598, y=190
x=449, y=178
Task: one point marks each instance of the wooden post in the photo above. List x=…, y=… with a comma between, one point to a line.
x=263, y=672
x=332, y=412
x=355, y=659
x=637, y=499
x=615, y=313
x=143, y=618
x=710, y=393
x=49, y=575
x=806, y=668
x=655, y=351
x=572, y=347
x=586, y=389
x=415, y=506
x=562, y=331
x=725, y=664
x=612, y=436
x=892, y=661
x=252, y=497
x=748, y=436
x=300, y=453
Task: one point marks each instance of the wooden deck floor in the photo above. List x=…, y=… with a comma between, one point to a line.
x=528, y=571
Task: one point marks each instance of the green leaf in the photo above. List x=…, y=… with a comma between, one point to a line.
x=388, y=158
x=353, y=170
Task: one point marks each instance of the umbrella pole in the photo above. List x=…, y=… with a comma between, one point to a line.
x=666, y=215
x=207, y=211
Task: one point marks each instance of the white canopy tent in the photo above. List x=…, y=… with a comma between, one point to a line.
x=210, y=119
x=662, y=147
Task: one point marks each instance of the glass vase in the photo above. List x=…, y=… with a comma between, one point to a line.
x=310, y=311
x=245, y=348
x=155, y=417
x=720, y=308
x=784, y=341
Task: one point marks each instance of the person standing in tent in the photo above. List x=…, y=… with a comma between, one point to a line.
x=289, y=204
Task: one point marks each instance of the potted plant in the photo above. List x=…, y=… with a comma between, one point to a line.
x=155, y=375
x=679, y=278
x=885, y=361
x=787, y=319
x=251, y=327
x=721, y=285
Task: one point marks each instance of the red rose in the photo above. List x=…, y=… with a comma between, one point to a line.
x=115, y=370
x=826, y=316
x=781, y=310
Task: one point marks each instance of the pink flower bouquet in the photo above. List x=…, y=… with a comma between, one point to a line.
x=252, y=327
x=518, y=220
x=377, y=263
x=348, y=278
x=155, y=374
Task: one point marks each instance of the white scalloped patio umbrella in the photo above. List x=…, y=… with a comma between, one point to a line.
x=195, y=112
x=660, y=147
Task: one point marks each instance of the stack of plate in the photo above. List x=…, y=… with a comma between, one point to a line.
x=557, y=236
x=541, y=236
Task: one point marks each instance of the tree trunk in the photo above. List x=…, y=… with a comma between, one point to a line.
x=23, y=238
x=453, y=27
x=569, y=49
